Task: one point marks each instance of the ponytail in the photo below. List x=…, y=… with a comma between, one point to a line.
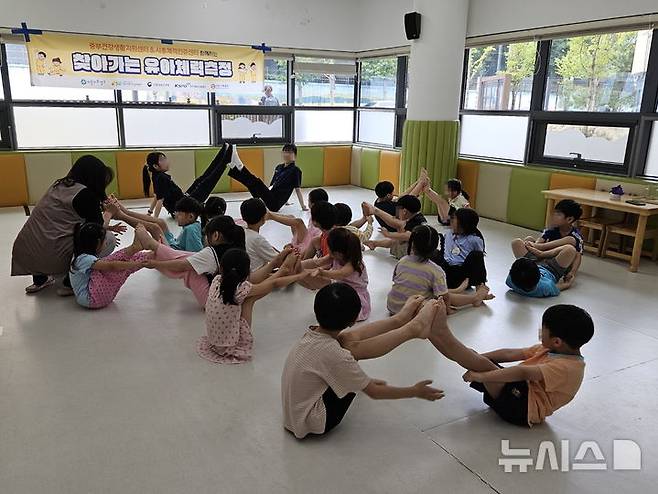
x=344, y=242
x=234, y=268
x=455, y=184
x=152, y=160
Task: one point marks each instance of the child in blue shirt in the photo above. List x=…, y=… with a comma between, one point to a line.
x=190, y=239
x=539, y=274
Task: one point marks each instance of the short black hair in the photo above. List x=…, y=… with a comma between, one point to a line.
x=324, y=214
x=343, y=214
x=409, y=202
x=569, y=323
x=524, y=273
x=253, y=210
x=187, y=204
x=569, y=208
x=336, y=306
x=424, y=242
x=382, y=189
x=317, y=195
x=290, y=147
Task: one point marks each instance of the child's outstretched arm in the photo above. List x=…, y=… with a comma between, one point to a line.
x=399, y=236
x=568, y=240
x=300, y=198
x=384, y=216
x=335, y=274
x=317, y=262
x=379, y=390
x=506, y=355
x=259, y=275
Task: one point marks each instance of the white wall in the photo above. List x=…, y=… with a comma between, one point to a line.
x=498, y=16
x=381, y=23
x=319, y=24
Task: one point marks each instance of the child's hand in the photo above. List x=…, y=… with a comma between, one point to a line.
x=369, y=219
x=385, y=232
x=151, y=264
x=368, y=209
x=289, y=262
x=316, y=272
x=424, y=391
x=472, y=376
x=119, y=228
x=534, y=250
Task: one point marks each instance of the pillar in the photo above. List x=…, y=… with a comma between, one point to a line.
x=431, y=131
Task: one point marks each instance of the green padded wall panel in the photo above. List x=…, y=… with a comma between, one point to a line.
x=107, y=157
x=355, y=169
x=526, y=205
x=369, y=168
x=311, y=161
x=429, y=144
x=202, y=158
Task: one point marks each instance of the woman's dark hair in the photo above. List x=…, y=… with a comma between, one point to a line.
x=468, y=220
x=336, y=306
x=424, y=242
x=86, y=237
x=214, y=206
x=234, y=267
x=343, y=214
x=231, y=233
x=346, y=243
x=317, y=195
x=152, y=160
x=324, y=214
x=455, y=185
x=91, y=172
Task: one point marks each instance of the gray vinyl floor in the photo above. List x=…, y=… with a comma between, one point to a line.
x=117, y=400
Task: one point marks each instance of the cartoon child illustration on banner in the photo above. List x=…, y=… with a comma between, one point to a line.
x=41, y=63
x=56, y=67
x=253, y=72
x=242, y=73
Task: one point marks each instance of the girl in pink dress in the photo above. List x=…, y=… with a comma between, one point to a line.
x=231, y=302
x=344, y=263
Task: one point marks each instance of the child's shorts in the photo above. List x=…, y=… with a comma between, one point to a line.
x=336, y=407
x=512, y=403
x=551, y=264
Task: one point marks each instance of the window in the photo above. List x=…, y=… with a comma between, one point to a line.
x=166, y=127
x=324, y=82
x=52, y=127
x=499, y=77
x=324, y=125
x=586, y=142
x=252, y=126
x=378, y=83
x=651, y=169
x=377, y=127
x=273, y=93
x=180, y=97
x=21, y=89
x=494, y=136
x=598, y=73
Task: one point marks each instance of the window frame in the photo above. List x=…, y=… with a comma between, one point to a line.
x=639, y=123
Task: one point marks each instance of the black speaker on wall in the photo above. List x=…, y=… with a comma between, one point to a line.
x=412, y=25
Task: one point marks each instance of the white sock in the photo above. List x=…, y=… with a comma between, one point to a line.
x=236, y=162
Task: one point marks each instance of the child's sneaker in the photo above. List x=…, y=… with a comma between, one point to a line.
x=34, y=288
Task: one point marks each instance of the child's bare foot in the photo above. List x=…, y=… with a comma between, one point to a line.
x=410, y=308
x=422, y=323
x=370, y=244
x=145, y=239
x=482, y=294
x=289, y=263
x=136, y=246
x=440, y=322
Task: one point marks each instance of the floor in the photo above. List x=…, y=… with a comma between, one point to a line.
x=117, y=401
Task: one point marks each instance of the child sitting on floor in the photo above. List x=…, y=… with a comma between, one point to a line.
x=95, y=281
x=323, y=217
x=302, y=234
x=541, y=273
x=386, y=201
x=417, y=274
x=344, y=263
x=214, y=206
x=408, y=217
x=462, y=256
x=548, y=377
x=562, y=231
x=321, y=375
x=344, y=219
x=455, y=198
x=231, y=303
x=254, y=213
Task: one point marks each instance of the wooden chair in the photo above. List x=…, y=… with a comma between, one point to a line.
x=593, y=225
x=627, y=229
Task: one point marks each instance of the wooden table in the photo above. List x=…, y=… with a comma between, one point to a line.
x=600, y=199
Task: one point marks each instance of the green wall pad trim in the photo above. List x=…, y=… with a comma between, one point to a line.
x=429, y=144
x=202, y=158
x=310, y=160
x=526, y=205
x=107, y=157
x=369, y=168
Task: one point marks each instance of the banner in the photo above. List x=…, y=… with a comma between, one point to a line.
x=102, y=62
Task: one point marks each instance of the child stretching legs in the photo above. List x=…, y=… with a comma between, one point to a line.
x=321, y=378
x=548, y=378
x=95, y=281
x=230, y=306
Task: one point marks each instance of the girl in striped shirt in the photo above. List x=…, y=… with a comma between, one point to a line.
x=416, y=274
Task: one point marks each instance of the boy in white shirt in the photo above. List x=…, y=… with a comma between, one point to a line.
x=254, y=214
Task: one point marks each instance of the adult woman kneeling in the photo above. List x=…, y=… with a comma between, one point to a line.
x=44, y=246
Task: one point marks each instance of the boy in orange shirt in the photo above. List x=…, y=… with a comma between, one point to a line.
x=548, y=377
